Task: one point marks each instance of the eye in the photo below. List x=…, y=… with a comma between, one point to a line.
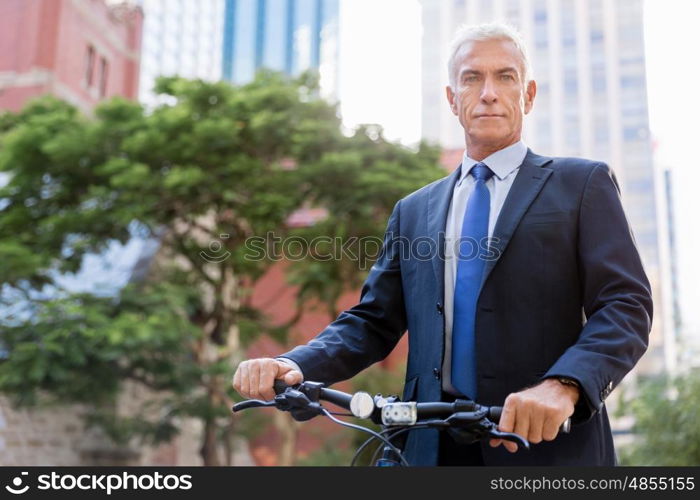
x=507, y=77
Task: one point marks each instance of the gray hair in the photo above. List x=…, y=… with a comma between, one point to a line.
x=481, y=32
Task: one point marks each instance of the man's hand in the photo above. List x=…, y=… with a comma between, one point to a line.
x=254, y=378
x=537, y=413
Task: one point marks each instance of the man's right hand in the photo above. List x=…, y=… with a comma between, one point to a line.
x=254, y=378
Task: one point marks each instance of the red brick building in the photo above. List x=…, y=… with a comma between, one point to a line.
x=81, y=51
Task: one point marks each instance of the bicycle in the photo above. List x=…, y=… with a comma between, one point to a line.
x=467, y=421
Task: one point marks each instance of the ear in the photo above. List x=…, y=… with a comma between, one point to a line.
x=451, y=99
x=530, y=93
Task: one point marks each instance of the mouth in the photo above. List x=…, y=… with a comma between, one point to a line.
x=489, y=116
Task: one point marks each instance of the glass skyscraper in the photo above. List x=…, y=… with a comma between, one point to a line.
x=231, y=39
x=589, y=63
x=283, y=35
x=180, y=37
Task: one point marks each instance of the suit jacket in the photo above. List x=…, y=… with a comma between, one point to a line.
x=564, y=295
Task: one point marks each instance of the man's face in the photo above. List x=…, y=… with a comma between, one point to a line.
x=491, y=97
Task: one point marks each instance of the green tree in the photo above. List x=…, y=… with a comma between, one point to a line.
x=667, y=422
x=202, y=175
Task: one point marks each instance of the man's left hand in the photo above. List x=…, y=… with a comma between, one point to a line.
x=537, y=413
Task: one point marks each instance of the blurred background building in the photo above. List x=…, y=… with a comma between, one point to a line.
x=284, y=35
x=232, y=39
x=80, y=51
x=180, y=38
x=589, y=63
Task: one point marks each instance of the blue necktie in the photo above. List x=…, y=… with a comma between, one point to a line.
x=470, y=268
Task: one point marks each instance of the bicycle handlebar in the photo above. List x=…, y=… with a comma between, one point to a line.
x=466, y=420
x=314, y=392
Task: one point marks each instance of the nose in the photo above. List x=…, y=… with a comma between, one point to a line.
x=488, y=91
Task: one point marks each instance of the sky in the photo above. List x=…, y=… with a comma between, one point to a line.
x=379, y=78
x=380, y=83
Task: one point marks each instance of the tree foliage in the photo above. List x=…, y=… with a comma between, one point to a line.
x=201, y=176
x=667, y=422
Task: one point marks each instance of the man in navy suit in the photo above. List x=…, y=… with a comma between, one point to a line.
x=533, y=297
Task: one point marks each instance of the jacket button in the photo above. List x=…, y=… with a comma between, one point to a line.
x=439, y=307
x=436, y=372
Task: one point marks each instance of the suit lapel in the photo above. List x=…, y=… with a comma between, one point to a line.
x=439, y=198
x=527, y=184
x=530, y=179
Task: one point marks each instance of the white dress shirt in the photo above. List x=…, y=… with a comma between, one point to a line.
x=505, y=165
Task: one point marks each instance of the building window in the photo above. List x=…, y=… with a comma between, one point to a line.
x=541, y=37
x=598, y=76
x=633, y=134
x=540, y=15
x=89, y=64
x=599, y=85
x=641, y=185
x=632, y=81
x=104, y=71
x=570, y=75
x=601, y=133
x=571, y=135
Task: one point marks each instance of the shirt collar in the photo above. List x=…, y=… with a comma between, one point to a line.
x=502, y=162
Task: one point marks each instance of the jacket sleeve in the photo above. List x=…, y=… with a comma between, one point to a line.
x=616, y=297
x=368, y=331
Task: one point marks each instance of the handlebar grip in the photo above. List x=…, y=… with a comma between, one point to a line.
x=280, y=386
x=495, y=416
x=338, y=398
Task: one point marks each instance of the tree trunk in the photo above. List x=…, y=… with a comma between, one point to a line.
x=287, y=429
x=229, y=433
x=208, y=450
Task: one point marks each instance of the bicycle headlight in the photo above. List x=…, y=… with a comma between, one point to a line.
x=403, y=413
x=362, y=404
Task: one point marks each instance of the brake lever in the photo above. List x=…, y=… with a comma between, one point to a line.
x=510, y=436
x=465, y=417
x=298, y=404
x=251, y=403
